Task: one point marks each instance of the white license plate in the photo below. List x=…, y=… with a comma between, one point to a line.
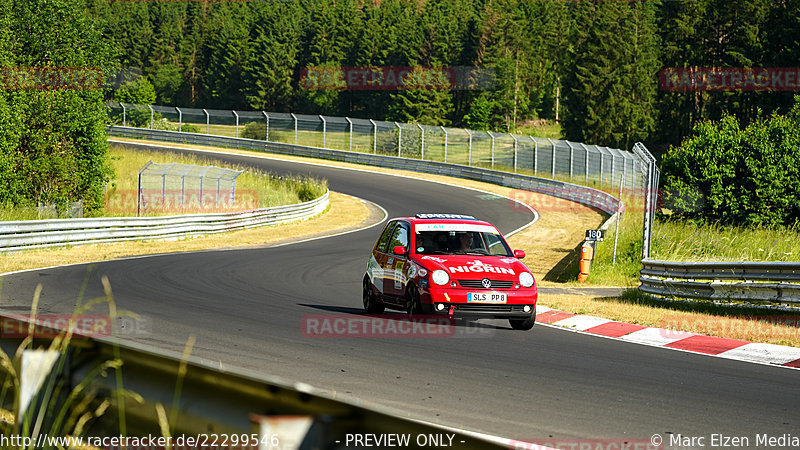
x=486, y=297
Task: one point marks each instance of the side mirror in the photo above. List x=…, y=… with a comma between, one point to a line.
x=519, y=254
x=399, y=250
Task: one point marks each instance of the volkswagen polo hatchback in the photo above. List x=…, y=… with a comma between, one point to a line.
x=451, y=265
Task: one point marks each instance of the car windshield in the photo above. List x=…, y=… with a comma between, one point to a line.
x=460, y=243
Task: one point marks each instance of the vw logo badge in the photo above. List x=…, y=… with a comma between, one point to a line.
x=487, y=283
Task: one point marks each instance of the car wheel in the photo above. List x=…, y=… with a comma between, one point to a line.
x=523, y=324
x=371, y=304
x=413, y=305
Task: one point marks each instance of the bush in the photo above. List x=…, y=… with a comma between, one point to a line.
x=255, y=130
x=736, y=176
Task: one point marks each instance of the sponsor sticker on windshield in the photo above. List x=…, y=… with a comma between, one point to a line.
x=455, y=227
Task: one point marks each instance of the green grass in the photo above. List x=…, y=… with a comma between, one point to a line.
x=542, y=129
x=680, y=241
x=254, y=189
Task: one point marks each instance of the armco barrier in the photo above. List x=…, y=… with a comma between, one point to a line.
x=581, y=194
x=759, y=282
x=210, y=400
x=17, y=235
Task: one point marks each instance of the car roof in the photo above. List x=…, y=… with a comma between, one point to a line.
x=443, y=218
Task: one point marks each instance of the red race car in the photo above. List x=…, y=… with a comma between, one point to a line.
x=449, y=264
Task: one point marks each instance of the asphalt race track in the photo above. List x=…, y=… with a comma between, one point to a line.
x=246, y=309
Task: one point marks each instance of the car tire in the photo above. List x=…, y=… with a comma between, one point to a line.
x=371, y=304
x=413, y=305
x=523, y=324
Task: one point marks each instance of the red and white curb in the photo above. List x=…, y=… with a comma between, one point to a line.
x=771, y=354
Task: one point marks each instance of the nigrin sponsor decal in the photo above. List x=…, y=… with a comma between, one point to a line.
x=478, y=266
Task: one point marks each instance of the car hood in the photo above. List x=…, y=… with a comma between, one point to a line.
x=474, y=267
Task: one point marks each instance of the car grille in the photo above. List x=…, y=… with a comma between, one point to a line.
x=496, y=284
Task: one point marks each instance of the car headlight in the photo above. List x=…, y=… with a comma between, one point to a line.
x=526, y=279
x=440, y=277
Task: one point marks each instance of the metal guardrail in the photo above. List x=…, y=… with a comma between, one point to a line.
x=581, y=194
x=760, y=282
x=211, y=400
x=25, y=234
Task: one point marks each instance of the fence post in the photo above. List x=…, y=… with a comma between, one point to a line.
x=515, y=151
x=124, y=121
x=151, y=116
x=295, y=128
x=422, y=150
x=571, y=159
x=208, y=122
x=237, y=124
x=324, y=132
x=139, y=187
x=553, y=176
x=535, y=155
x=351, y=132
x=492, y=136
x=619, y=216
x=267, y=117
x=445, y=142
x=180, y=119
x=586, y=163
x=374, y=136
x=399, y=137
x=469, y=160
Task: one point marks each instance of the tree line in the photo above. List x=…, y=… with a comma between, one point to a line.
x=593, y=65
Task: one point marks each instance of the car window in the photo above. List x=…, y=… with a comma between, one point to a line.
x=496, y=245
x=384, y=239
x=399, y=237
x=460, y=243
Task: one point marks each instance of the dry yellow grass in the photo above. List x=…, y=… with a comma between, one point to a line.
x=767, y=328
x=344, y=213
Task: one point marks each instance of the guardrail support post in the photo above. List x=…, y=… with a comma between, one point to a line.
x=374, y=136
x=295, y=128
x=422, y=145
x=266, y=138
x=151, y=116
x=445, y=142
x=399, y=138
x=237, y=123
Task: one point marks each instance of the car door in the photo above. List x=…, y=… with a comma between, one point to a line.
x=380, y=258
x=395, y=281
